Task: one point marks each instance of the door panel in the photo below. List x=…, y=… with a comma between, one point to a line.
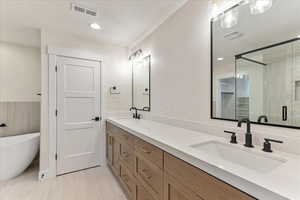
x=79, y=110
x=79, y=78
x=78, y=103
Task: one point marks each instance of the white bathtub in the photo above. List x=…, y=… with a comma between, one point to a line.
x=17, y=153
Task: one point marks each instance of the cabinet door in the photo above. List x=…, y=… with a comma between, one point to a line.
x=128, y=182
x=109, y=148
x=173, y=190
x=151, y=176
x=127, y=156
x=142, y=193
x=116, y=155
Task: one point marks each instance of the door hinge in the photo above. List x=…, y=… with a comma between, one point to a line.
x=56, y=113
x=56, y=68
x=56, y=156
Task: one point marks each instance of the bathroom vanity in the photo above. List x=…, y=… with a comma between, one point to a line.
x=146, y=172
x=155, y=161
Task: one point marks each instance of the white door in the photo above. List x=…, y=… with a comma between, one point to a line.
x=78, y=114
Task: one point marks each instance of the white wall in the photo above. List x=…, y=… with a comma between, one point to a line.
x=20, y=73
x=115, y=71
x=180, y=77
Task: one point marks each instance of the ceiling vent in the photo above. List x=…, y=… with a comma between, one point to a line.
x=233, y=35
x=84, y=10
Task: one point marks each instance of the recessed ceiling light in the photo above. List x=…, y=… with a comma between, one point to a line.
x=298, y=36
x=95, y=26
x=220, y=59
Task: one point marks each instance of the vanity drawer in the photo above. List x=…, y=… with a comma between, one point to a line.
x=151, y=176
x=127, y=156
x=126, y=138
x=149, y=152
x=142, y=194
x=200, y=182
x=128, y=182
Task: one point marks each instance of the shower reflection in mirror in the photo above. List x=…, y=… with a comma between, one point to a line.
x=257, y=75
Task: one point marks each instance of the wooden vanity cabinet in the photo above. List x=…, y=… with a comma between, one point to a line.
x=147, y=173
x=201, y=183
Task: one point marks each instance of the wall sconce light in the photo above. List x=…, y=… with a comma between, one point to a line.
x=230, y=18
x=214, y=10
x=260, y=6
x=137, y=56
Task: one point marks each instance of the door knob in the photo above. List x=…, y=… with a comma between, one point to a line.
x=96, y=119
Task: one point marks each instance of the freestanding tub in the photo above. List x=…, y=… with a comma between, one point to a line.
x=17, y=153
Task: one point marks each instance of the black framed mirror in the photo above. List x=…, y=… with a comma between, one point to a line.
x=255, y=63
x=141, y=83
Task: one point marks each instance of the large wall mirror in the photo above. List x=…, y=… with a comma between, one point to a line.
x=141, y=91
x=256, y=63
x=20, y=80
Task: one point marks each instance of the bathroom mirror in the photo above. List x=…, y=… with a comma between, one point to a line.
x=141, y=91
x=20, y=80
x=255, y=63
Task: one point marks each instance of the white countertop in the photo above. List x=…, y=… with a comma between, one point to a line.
x=281, y=183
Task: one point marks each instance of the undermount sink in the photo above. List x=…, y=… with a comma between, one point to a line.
x=243, y=157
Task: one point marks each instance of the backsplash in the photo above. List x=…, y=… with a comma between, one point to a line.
x=20, y=118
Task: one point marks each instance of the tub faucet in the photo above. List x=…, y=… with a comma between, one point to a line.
x=3, y=125
x=248, y=136
x=264, y=117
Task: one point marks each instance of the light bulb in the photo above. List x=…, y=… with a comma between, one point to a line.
x=230, y=18
x=214, y=11
x=260, y=6
x=95, y=26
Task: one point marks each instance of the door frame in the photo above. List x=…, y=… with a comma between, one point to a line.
x=53, y=53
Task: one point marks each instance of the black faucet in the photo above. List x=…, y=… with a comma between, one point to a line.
x=267, y=145
x=248, y=136
x=264, y=117
x=135, y=115
x=233, y=137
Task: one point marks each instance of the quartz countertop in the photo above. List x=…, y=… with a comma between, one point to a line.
x=281, y=183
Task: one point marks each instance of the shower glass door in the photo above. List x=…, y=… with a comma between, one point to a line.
x=267, y=84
